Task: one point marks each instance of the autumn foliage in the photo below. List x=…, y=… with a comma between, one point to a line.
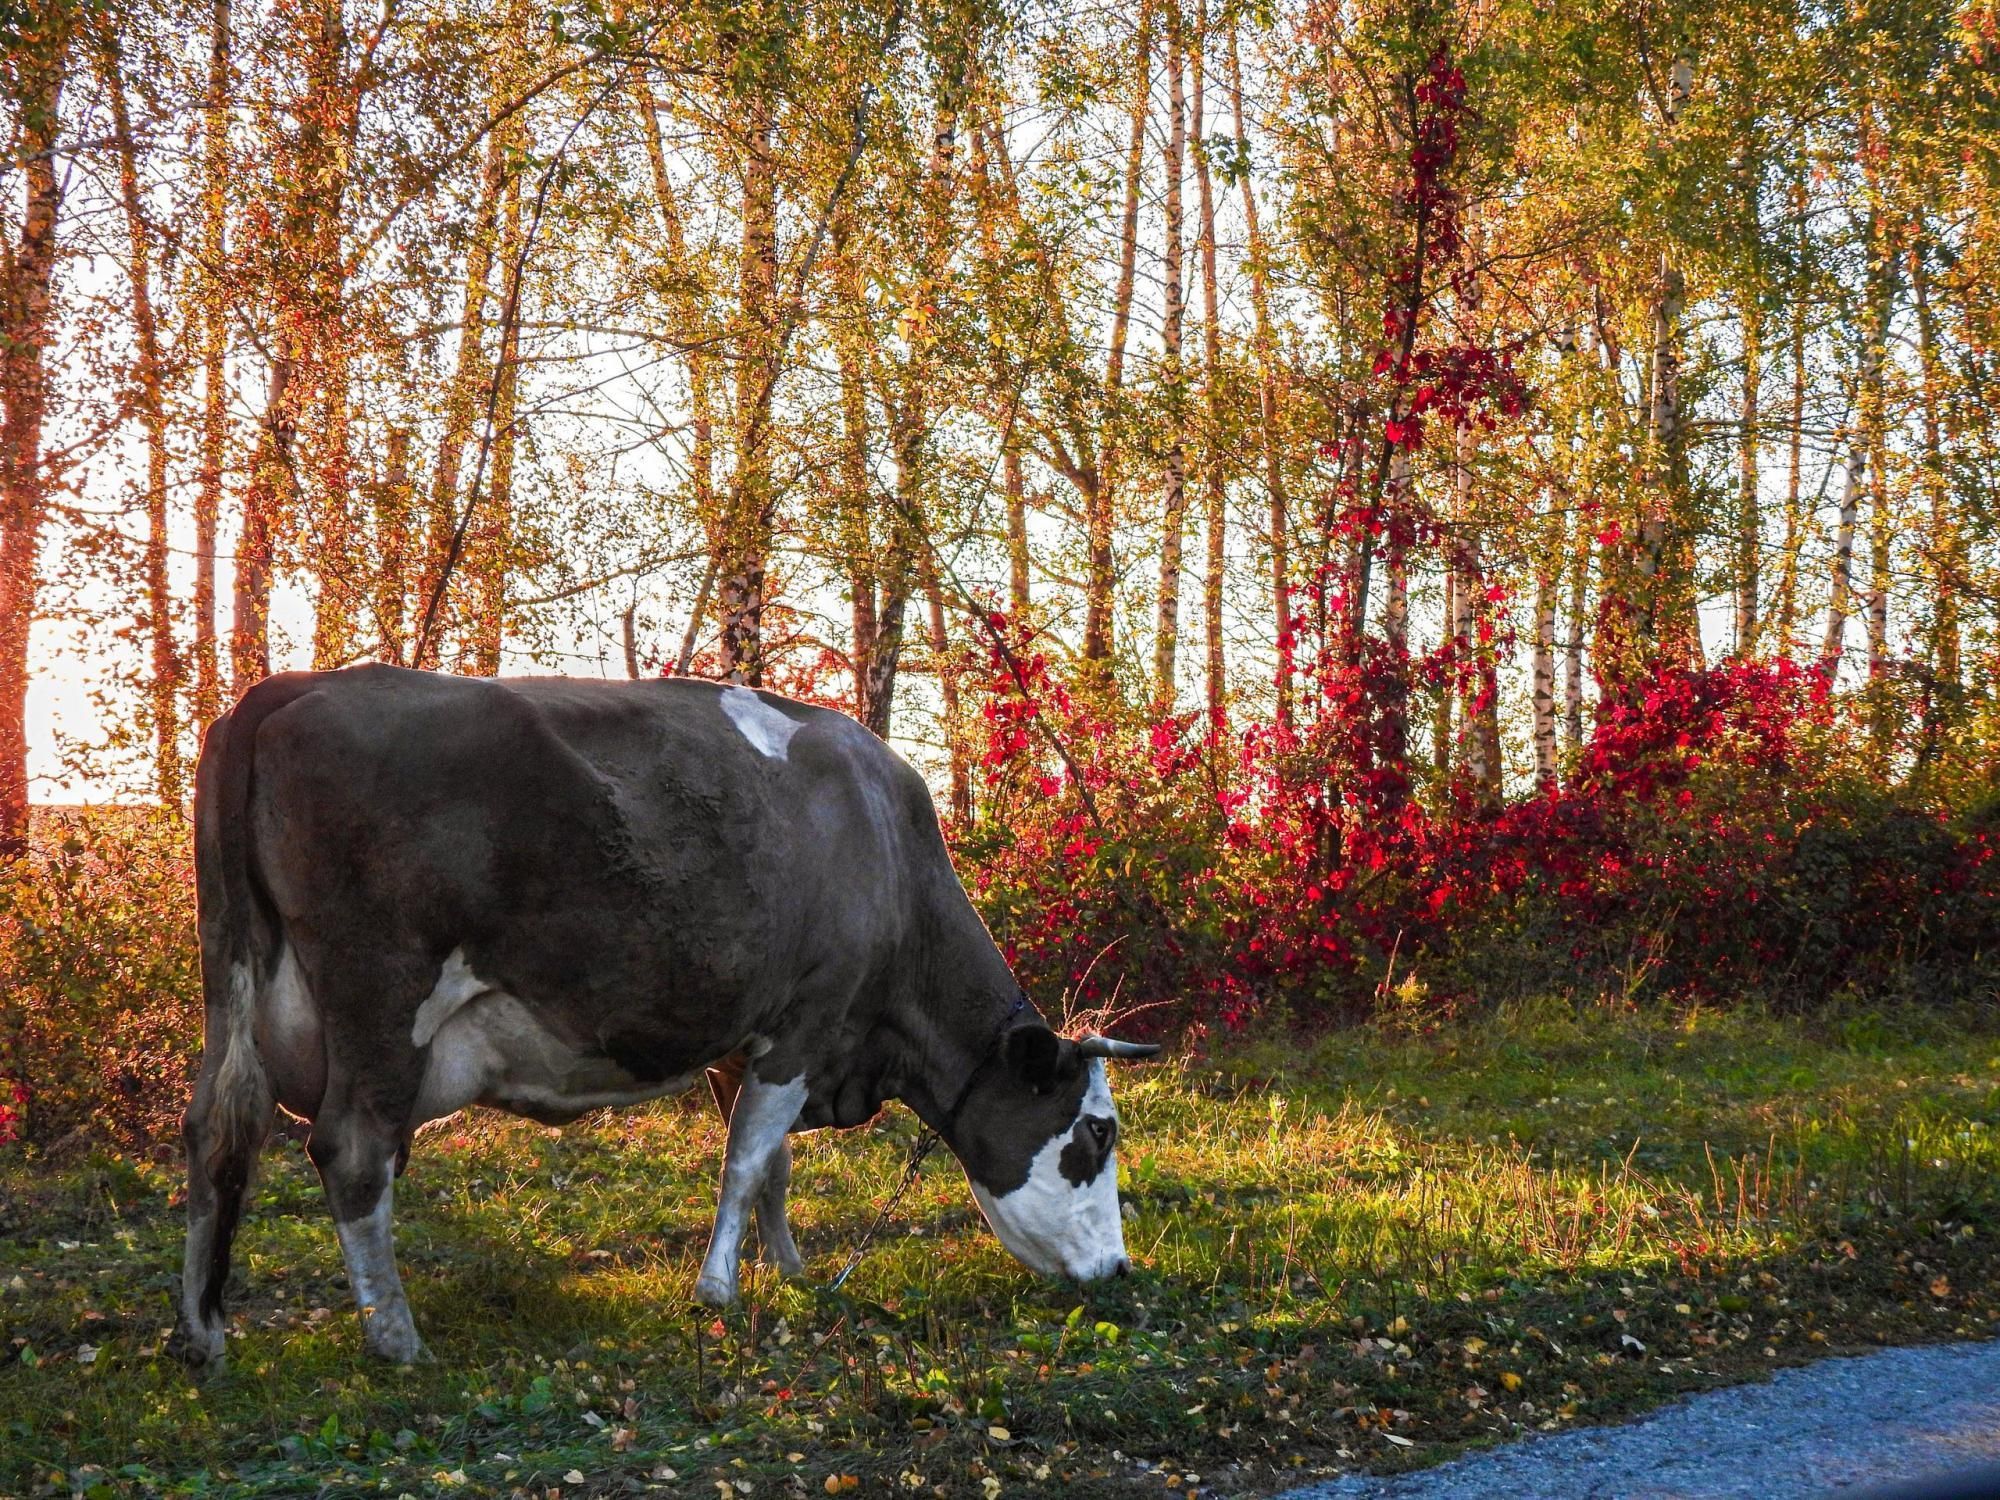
x=1722, y=840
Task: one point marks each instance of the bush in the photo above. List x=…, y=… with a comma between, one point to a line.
x=99, y=964
x=1727, y=834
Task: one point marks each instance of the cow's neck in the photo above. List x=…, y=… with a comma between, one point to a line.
x=956, y=1028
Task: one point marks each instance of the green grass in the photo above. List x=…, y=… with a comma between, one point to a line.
x=1371, y=1252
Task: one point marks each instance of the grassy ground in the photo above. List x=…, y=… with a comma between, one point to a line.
x=1371, y=1253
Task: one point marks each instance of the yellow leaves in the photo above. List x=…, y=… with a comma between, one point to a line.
x=838, y=1483
x=1511, y=1381
x=999, y=1434
x=1474, y=1345
x=1941, y=1286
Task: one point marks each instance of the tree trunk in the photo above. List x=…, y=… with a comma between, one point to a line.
x=334, y=564
x=1213, y=492
x=1788, y=564
x=947, y=676
x=689, y=312
x=1395, y=752
x=330, y=114
x=1749, y=517
x=34, y=79
x=163, y=694
x=1447, y=698
x=1579, y=625
x=492, y=528
x=1267, y=403
x=987, y=204
x=1099, y=498
x=392, y=548
x=1666, y=605
x=1875, y=434
x=874, y=643
x=1545, y=678
x=270, y=479
x=463, y=400
x=743, y=544
x=1841, y=602
x=1018, y=598
x=214, y=315
x=1166, y=618
x=1944, y=544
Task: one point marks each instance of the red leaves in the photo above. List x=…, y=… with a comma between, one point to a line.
x=1706, y=843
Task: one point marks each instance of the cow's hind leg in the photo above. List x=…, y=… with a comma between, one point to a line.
x=762, y=1116
x=774, y=1231
x=224, y=1129
x=357, y=1154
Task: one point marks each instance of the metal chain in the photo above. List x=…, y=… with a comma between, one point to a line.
x=926, y=1143
x=930, y=1140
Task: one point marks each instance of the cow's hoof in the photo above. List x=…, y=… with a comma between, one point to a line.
x=407, y=1355
x=713, y=1291
x=200, y=1349
x=401, y=1347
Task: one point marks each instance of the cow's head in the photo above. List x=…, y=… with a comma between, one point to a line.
x=1039, y=1139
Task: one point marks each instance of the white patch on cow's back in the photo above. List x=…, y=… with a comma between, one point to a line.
x=456, y=984
x=765, y=727
x=1051, y=1224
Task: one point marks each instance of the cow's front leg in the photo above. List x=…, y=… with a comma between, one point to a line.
x=755, y=1156
x=358, y=1167
x=773, y=1229
x=725, y=1080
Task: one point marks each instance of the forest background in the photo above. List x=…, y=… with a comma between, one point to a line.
x=1367, y=507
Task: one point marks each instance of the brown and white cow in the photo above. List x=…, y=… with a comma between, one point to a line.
x=550, y=896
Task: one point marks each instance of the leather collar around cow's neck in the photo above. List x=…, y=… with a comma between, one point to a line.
x=992, y=1050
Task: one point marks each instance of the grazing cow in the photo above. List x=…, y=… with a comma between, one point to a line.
x=549, y=896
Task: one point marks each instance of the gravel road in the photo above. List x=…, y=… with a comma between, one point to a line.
x=1842, y=1423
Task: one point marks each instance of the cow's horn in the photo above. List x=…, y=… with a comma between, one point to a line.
x=1105, y=1046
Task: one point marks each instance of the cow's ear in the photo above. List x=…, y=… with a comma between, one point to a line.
x=1033, y=1054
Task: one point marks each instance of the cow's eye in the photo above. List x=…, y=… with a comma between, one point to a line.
x=1101, y=1130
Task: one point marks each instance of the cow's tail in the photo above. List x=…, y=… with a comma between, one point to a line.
x=241, y=940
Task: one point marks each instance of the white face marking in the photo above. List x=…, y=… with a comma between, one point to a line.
x=759, y=723
x=1052, y=1225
